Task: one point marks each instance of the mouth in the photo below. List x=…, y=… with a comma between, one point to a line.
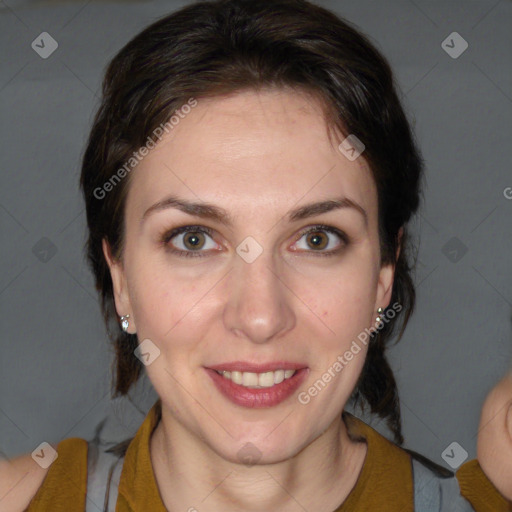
x=254, y=380
x=244, y=385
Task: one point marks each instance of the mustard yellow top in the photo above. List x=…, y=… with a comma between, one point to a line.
x=385, y=483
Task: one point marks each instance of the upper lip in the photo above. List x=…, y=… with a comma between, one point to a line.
x=244, y=366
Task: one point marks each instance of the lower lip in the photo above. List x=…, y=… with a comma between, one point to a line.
x=258, y=398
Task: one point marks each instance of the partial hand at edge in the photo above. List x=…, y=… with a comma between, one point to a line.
x=494, y=445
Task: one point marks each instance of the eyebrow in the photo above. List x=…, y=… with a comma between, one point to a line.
x=210, y=211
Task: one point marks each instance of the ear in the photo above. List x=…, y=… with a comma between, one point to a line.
x=121, y=296
x=386, y=278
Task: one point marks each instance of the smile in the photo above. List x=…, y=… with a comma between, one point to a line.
x=244, y=385
x=257, y=380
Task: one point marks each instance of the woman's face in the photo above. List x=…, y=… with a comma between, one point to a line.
x=249, y=292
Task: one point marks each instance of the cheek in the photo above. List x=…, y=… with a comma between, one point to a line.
x=343, y=301
x=173, y=304
x=159, y=301
x=174, y=309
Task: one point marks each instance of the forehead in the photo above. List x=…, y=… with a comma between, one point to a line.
x=251, y=152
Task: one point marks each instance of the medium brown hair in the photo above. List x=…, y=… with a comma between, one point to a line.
x=219, y=47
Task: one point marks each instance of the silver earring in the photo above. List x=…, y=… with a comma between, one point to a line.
x=379, y=318
x=124, y=322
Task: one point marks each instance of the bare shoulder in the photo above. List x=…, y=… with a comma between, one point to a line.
x=20, y=478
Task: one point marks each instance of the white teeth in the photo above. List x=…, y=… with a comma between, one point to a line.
x=236, y=377
x=258, y=380
x=249, y=379
x=265, y=379
x=278, y=376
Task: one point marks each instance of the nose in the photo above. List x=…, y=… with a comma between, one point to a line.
x=259, y=304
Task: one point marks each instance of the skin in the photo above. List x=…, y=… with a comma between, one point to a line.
x=257, y=155
x=20, y=477
x=494, y=447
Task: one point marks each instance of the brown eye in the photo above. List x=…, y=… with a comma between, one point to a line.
x=189, y=241
x=317, y=240
x=193, y=240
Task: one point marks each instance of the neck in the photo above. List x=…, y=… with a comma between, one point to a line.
x=187, y=470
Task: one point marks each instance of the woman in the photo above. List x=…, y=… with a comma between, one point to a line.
x=249, y=180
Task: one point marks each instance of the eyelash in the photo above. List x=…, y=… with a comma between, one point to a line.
x=167, y=236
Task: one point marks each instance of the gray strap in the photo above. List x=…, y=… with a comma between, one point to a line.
x=436, y=494
x=431, y=492
x=102, y=468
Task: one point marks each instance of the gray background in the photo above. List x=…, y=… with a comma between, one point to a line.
x=55, y=359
